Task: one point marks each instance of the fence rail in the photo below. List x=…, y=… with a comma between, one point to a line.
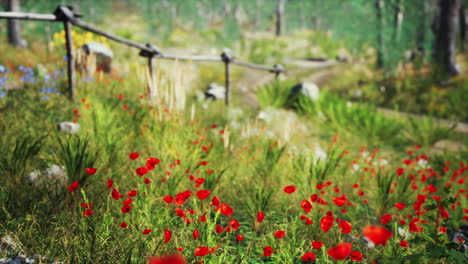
x=66, y=15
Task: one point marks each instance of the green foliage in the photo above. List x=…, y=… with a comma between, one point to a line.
x=426, y=131
x=76, y=154
x=275, y=94
x=14, y=162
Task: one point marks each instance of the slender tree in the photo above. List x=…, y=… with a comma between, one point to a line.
x=446, y=34
x=379, y=8
x=280, y=16
x=398, y=19
x=14, y=27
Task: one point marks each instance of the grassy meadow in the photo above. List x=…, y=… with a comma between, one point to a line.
x=288, y=180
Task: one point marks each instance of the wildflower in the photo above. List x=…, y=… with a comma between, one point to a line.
x=126, y=208
x=123, y=225
x=203, y=194
x=172, y=259
x=400, y=206
x=386, y=219
x=152, y=162
x=109, y=183
x=289, y=189
x=167, y=235
x=400, y=171
x=239, y=238
x=88, y=212
x=116, y=195
x=142, y=171
x=226, y=210
x=345, y=227
x=340, y=251
x=326, y=223
x=90, y=171
x=377, y=235
x=309, y=256
x=133, y=156
x=234, y=224
x=306, y=206
x=147, y=231
x=73, y=186
x=260, y=216
x=201, y=251
x=268, y=251
x=280, y=234
x=356, y=256
x=340, y=201
x=195, y=234
x=403, y=244
x=317, y=244
x=219, y=229
x=132, y=193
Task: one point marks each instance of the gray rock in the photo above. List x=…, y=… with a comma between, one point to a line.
x=68, y=127
x=310, y=90
x=215, y=91
x=52, y=179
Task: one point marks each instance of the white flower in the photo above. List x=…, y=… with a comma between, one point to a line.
x=402, y=232
x=319, y=153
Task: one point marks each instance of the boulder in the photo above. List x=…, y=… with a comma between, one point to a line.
x=103, y=57
x=215, y=91
x=68, y=127
x=309, y=90
x=51, y=179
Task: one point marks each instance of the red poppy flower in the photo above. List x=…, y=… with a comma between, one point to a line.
x=202, y=218
x=234, y=224
x=215, y=201
x=201, y=251
x=167, y=235
x=345, y=226
x=86, y=205
x=403, y=244
x=203, y=163
x=240, y=237
x=168, y=199
x=326, y=223
x=180, y=198
x=88, y=212
x=152, y=162
x=400, y=206
x=73, y=186
x=180, y=212
x=109, y=183
x=289, y=189
x=309, y=256
x=123, y=225
x=199, y=181
x=386, y=219
x=195, y=234
x=203, y=194
x=147, y=181
x=116, y=195
x=268, y=251
x=147, y=231
x=126, y=208
x=219, y=229
x=134, y=156
x=314, y=198
x=356, y=256
x=226, y=210
x=128, y=201
x=306, y=206
x=260, y=216
x=141, y=171
x=280, y=234
x=340, y=201
x=341, y=251
x=173, y=259
x=400, y=171
x=90, y=171
x=132, y=193
x=317, y=244
x=377, y=235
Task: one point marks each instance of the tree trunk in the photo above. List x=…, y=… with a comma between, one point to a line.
x=14, y=27
x=379, y=6
x=279, y=16
x=445, y=43
x=398, y=19
x=463, y=18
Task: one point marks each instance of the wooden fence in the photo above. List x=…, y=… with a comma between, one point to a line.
x=66, y=15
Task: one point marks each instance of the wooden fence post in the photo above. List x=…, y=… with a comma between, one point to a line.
x=277, y=70
x=70, y=60
x=65, y=14
x=150, y=53
x=227, y=58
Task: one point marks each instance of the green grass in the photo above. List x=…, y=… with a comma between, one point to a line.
x=247, y=173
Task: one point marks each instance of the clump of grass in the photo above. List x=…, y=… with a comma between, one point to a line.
x=426, y=131
x=76, y=154
x=15, y=162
